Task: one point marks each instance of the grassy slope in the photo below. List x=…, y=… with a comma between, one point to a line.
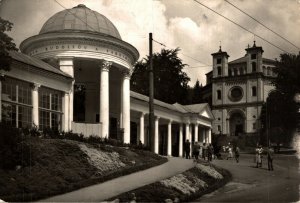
x=59, y=166
x=156, y=192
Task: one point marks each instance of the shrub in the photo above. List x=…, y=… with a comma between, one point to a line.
x=14, y=150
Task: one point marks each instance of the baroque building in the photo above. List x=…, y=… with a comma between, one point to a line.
x=237, y=91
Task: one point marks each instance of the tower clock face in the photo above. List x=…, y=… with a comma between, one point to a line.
x=235, y=94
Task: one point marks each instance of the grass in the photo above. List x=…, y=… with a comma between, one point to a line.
x=157, y=192
x=59, y=166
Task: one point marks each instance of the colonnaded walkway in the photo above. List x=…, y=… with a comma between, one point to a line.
x=108, y=189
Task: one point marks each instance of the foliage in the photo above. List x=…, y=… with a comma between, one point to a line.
x=13, y=148
x=196, y=93
x=279, y=114
x=6, y=44
x=170, y=82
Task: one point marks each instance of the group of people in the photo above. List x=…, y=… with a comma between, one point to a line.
x=199, y=150
x=229, y=149
x=259, y=157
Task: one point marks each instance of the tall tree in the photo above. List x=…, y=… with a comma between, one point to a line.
x=197, y=97
x=279, y=115
x=170, y=82
x=6, y=44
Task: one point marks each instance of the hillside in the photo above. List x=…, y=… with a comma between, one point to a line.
x=58, y=166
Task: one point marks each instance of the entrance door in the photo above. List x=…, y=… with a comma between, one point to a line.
x=237, y=123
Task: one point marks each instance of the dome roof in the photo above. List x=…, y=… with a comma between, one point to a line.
x=80, y=18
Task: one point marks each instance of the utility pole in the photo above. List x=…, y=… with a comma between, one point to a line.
x=151, y=96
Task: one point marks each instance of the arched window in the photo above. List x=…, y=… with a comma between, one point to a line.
x=219, y=95
x=253, y=67
x=219, y=71
x=229, y=72
x=254, y=91
x=264, y=70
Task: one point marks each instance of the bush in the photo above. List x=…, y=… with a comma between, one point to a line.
x=13, y=148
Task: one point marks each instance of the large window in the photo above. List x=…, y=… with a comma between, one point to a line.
x=254, y=91
x=219, y=70
x=253, y=67
x=16, y=103
x=219, y=95
x=50, y=108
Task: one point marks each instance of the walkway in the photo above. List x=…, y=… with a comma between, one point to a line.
x=106, y=190
x=252, y=184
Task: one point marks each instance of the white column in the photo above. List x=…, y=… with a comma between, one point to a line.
x=170, y=138
x=67, y=66
x=66, y=112
x=126, y=105
x=142, y=128
x=35, y=104
x=187, y=132
x=180, y=141
x=209, y=135
x=206, y=135
x=196, y=132
x=156, y=135
x=203, y=135
x=104, y=99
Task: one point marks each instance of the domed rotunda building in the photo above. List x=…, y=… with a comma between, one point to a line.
x=75, y=75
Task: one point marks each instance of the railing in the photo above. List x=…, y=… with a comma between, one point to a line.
x=87, y=129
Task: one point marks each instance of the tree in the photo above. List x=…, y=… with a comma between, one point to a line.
x=170, y=82
x=197, y=97
x=6, y=44
x=279, y=115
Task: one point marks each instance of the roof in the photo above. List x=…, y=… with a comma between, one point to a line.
x=239, y=60
x=18, y=56
x=82, y=19
x=194, y=108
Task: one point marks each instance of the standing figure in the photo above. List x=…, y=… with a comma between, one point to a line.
x=209, y=152
x=204, y=151
x=258, y=154
x=237, y=154
x=270, y=158
x=196, y=150
x=229, y=149
x=187, y=147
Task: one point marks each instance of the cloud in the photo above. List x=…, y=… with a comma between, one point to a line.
x=176, y=23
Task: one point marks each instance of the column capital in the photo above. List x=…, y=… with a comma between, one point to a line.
x=142, y=114
x=105, y=66
x=127, y=73
x=157, y=117
x=170, y=121
x=35, y=86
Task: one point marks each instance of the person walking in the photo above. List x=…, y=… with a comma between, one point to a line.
x=187, y=147
x=237, y=154
x=270, y=153
x=209, y=152
x=196, y=150
x=229, y=149
x=258, y=154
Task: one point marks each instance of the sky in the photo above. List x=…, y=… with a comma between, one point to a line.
x=196, y=30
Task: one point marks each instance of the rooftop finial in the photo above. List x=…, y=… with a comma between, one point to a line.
x=254, y=45
x=248, y=46
x=220, y=50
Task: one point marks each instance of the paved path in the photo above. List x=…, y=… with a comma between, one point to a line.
x=251, y=184
x=126, y=183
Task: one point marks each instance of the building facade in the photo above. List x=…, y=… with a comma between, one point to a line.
x=238, y=91
x=75, y=76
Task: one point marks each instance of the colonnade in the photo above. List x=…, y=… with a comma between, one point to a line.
x=200, y=133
